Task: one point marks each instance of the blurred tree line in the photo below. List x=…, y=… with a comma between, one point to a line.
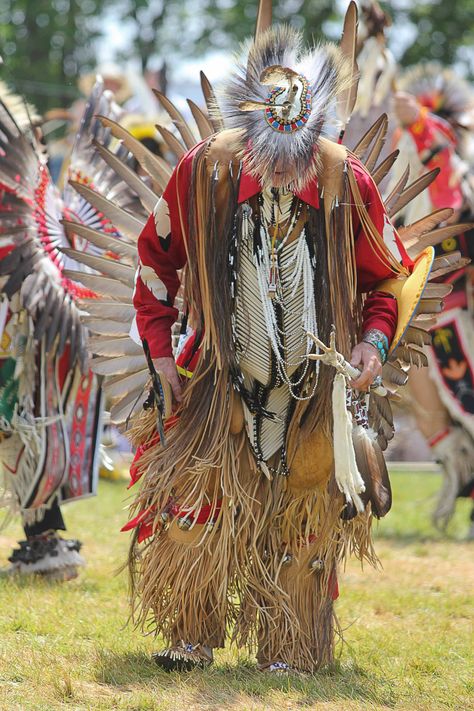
x=46, y=44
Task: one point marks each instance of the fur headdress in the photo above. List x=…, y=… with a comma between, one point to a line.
x=282, y=100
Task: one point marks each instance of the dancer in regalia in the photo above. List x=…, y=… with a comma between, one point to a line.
x=273, y=469
x=50, y=402
x=436, y=110
x=297, y=294
x=431, y=126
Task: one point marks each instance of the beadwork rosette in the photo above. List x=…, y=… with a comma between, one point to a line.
x=274, y=109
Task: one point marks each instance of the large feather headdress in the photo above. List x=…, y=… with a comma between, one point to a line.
x=282, y=99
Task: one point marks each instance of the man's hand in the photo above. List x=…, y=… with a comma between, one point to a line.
x=365, y=357
x=406, y=108
x=167, y=367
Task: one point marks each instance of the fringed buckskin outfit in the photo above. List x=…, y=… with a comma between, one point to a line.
x=270, y=475
x=272, y=467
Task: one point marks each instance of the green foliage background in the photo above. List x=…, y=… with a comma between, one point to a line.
x=46, y=44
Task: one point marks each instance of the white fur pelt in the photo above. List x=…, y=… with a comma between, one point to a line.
x=327, y=73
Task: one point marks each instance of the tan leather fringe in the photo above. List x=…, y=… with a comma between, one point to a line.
x=375, y=239
x=196, y=585
x=143, y=427
x=287, y=610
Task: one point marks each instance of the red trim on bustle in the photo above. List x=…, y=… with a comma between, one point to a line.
x=437, y=438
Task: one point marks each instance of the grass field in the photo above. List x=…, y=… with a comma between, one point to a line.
x=408, y=628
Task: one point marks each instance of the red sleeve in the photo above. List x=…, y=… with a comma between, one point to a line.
x=429, y=130
x=162, y=253
x=380, y=312
x=436, y=144
x=380, y=309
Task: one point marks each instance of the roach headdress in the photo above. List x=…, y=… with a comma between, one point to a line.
x=282, y=100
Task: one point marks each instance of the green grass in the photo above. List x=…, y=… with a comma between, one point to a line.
x=408, y=632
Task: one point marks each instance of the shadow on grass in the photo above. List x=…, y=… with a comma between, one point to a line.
x=223, y=685
x=125, y=669
x=407, y=538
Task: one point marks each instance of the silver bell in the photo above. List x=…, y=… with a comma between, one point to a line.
x=317, y=564
x=287, y=559
x=184, y=523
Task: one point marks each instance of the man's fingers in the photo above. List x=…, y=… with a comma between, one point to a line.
x=368, y=375
x=167, y=367
x=364, y=357
x=356, y=356
x=176, y=386
x=362, y=383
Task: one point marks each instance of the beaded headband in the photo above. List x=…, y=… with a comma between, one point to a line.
x=279, y=112
x=287, y=107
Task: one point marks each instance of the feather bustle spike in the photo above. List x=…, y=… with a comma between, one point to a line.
x=431, y=239
x=117, y=366
x=114, y=347
x=100, y=239
x=147, y=197
x=437, y=291
x=107, y=328
x=362, y=146
x=106, y=286
x=392, y=373
x=213, y=109
x=378, y=144
x=202, y=122
x=264, y=17
x=156, y=167
x=109, y=267
x=412, y=355
x=116, y=386
x=173, y=143
x=384, y=167
x=107, y=310
x=373, y=468
x=177, y=119
x=410, y=233
x=398, y=188
x=412, y=190
x=419, y=336
x=348, y=46
x=128, y=224
x=454, y=266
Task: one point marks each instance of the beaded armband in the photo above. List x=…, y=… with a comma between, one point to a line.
x=379, y=340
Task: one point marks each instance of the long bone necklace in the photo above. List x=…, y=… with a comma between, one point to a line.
x=274, y=212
